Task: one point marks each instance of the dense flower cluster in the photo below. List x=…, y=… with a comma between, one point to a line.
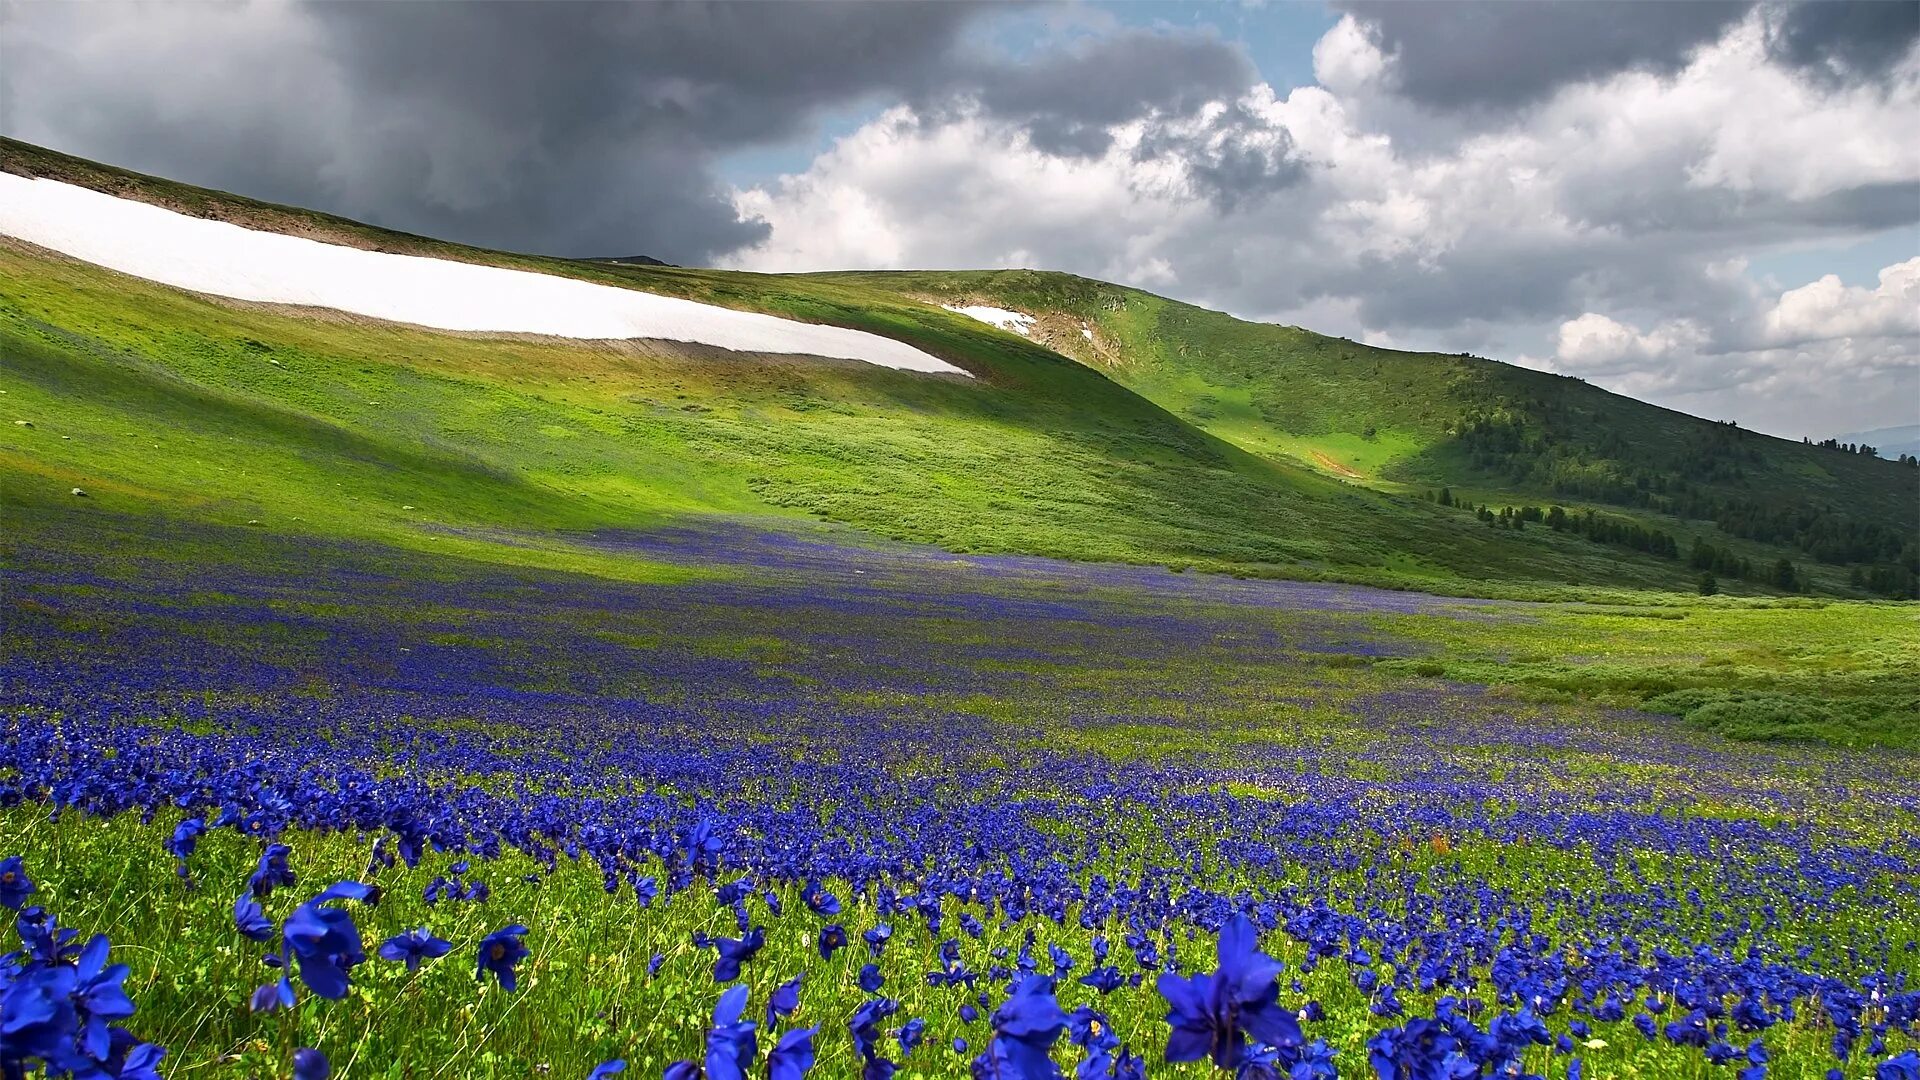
x=61, y=1001
x=843, y=765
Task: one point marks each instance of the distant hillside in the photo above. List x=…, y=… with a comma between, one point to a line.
x=1487, y=431
x=1130, y=428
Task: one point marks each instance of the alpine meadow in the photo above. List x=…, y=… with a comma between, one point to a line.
x=425, y=660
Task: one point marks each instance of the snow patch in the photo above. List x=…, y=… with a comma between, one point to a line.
x=1016, y=321
x=245, y=264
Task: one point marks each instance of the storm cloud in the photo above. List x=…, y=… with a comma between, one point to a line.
x=1501, y=53
x=564, y=128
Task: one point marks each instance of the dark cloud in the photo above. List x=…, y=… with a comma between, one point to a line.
x=546, y=127
x=564, y=128
x=1502, y=54
x=1069, y=98
x=1843, y=39
x=1234, y=159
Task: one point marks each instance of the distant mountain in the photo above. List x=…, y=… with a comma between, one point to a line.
x=1890, y=441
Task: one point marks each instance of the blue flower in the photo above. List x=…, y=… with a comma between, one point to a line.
x=414, y=946
x=99, y=996
x=15, y=886
x=324, y=942
x=142, y=1062
x=271, y=871
x=731, y=1045
x=1902, y=1066
x=1025, y=1028
x=910, y=1034
x=833, y=937
x=783, y=1001
x=792, y=1056
x=311, y=1064
x=250, y=920
x=1212, y=1015
x=870, y=978
x=734, y=952
x=499, y=952
x=186, y=837
x=864, y=1025
x=819, y=900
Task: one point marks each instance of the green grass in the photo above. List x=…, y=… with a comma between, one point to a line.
x=1191, y=440
x=1837, y=672
x=154, y=401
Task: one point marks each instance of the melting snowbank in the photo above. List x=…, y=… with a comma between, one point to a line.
x=244, y=264
x=1017, y=321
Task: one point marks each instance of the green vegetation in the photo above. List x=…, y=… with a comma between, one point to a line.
x=1410, y=421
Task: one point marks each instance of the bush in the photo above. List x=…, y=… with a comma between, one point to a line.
x=1765, y=716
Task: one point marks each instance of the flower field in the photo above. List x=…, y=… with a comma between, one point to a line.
x=801, y=806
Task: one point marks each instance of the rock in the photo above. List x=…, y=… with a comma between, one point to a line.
x=406, y=508
x=255, y=521
x=79, y=493
x=275, y=363
x=24, y=423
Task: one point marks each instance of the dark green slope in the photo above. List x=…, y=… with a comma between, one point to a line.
x=1492, y=432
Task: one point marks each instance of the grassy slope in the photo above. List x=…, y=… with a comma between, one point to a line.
x=1389, y=419
x=152, y=399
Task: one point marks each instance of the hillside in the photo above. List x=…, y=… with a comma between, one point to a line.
x=164, y=404
x=1490, y=432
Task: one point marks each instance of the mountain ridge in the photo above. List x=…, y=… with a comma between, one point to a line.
x=1082, y=456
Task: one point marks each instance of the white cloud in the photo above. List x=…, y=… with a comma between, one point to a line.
x=1596, y=344
x=1612, y=205
x=1823, y=350
x=1827, y=310
x=1346, y=59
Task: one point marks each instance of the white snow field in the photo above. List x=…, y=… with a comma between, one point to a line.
x=1016, y=321
x=227, y=260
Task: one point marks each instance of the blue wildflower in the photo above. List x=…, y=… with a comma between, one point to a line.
x=783, y=1001
x=1025, y=1028
x=731, y=1045
x=311, y=1064
x=323, y=941
x=414, y=947
x=792, y=1056
x=499, y=952
x=1212, y=1015
x=250, y=920
x=15, y=886
x=271, y=871
x=733, y=952
x=185, y=838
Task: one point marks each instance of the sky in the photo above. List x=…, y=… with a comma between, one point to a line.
x=1711, y=206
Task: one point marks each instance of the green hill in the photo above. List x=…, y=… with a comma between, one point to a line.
x=1490, y=432
x=162, y=404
